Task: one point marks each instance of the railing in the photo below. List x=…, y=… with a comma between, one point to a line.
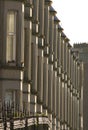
x=11, y=118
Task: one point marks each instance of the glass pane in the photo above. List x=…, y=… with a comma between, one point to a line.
x=11, y=22
x=11, y=48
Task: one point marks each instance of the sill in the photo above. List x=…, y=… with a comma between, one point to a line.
x=11, y=63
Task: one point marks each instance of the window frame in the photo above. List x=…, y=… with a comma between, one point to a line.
x=11, y=51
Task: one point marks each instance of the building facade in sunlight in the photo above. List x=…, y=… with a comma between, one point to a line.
x=40, y=74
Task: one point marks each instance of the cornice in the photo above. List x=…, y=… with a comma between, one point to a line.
x=48, y=2
x=56, y=20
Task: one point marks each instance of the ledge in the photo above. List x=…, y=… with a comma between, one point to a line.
x=11, y=67
x=27, y=81
x=35, y=33
x=16, y=0
x=28, y=18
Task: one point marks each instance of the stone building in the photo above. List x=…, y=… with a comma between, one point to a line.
x=38, y=69
x=82, y=49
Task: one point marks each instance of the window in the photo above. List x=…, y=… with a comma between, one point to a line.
x=11, y=36
x=10, y=96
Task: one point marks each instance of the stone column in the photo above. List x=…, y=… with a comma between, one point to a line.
x=75, y=96
x=2, y=22
x=20, y=93
x=68, y=104
x=34, y=60
x=81, y=96
x=54, y=92
x=71, y=86
x=26, y=98
x=66, y=80
x=33, y=106
x=51, y=29
x=41, y=17
x=59, y=75
x=69, y=83
x=63, y=78
x=73, y=124
x=50, y=72
x=60, y=98
x=78, y=108
x=46, y=22
x=50, y=86
x=55, y=39
x=40, y=55
x=58, y=102
x=27, y=51
x=51, y=60
x=62, y=50
x=66, y=54
x=45, y=83
x=34, y=56
x=59, y=45
x=20, y=38
x=66, y=100
x=63, y=102
x=35, y=14
x=40, y=77
x=68, y=60
x=78, y=97
x=46, y=55
x=71, y=108
x=35, y=20
x=35, y=23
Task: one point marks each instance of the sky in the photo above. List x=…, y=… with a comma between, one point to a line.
x=73, y=15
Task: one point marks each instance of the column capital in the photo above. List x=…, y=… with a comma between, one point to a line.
x=60, y=28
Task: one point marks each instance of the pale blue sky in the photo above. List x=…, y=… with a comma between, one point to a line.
x=73, y=15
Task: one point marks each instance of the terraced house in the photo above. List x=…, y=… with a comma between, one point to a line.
x=40, y=75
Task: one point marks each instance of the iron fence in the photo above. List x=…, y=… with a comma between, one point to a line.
x=12, y=118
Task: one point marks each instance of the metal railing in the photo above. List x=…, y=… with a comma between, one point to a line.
x=12, y=118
